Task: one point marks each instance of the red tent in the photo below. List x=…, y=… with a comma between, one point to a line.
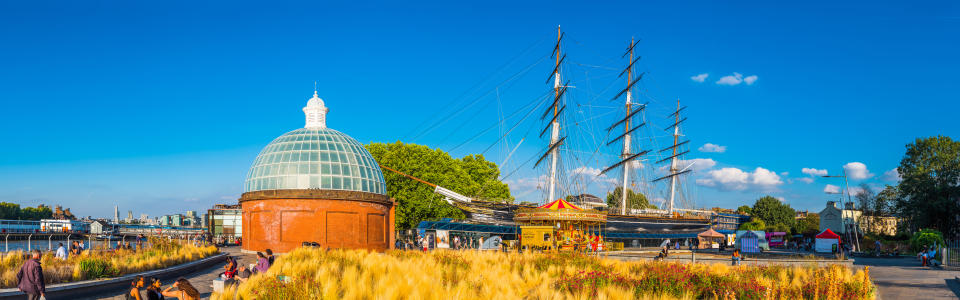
x=828, y=234
x=826, y=241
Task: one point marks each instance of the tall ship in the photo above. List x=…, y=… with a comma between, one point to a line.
x=628, y=220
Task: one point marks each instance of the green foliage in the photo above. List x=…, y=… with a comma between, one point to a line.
x=773, y=212
x=809, y=225
x=924, y=238
x=930, y=185
x=755, y=224
x=471, y=176
x=12, y=211
x=634, y=200
x=95, y=267
x=745, y=210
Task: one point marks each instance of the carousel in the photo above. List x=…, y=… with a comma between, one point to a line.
x=561, y=226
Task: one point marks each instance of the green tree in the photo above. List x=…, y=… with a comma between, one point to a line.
x=885, y=199
x=755, y=224
x=744, y=210
x=471, y=176
x=9, y=211
x=809, y=225
x=634, y=200
x=865, y=200
x=773, y=212
x=930, y=185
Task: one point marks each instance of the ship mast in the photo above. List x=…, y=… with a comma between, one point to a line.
x=625, y=155
x=554, y=123
x=674, y=157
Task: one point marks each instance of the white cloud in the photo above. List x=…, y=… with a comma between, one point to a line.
x=807, y=180
x=892, y=175
x=814, y=172
x=764, y=177
x=734, y=179
x=831, y=189
x=784, y=173
x=782, y=199
x=857, y=170
x=696, y=164
x=736, y=79
x=699, y=77
x=708, y=147
x=593, y=174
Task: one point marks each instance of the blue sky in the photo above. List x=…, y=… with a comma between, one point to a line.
x=161, y=107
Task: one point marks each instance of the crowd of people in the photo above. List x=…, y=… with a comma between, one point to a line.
x=235, y=273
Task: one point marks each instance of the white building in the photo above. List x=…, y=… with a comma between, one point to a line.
x=839, y=220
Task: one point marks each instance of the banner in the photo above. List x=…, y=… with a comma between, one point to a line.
x=443, y=239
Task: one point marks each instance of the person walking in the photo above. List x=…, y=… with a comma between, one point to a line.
x=30, y=278
x=61, y=252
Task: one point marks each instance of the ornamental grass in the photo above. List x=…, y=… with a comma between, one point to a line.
x=312, y=273
x=101, y=263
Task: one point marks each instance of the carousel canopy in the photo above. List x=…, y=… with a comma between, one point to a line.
x=710, y=234
x=559, y=204
x=559, y=210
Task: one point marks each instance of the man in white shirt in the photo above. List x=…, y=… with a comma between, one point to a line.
x=62, y=252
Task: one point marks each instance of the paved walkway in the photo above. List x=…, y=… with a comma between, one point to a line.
x=202, y=280
x=904, y=278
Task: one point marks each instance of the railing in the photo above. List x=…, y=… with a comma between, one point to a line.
x=951, y=254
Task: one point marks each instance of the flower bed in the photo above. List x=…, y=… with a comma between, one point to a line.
x=317, y=274
x=100, y=263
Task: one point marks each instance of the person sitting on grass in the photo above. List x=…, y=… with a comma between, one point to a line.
x=61, y=252
x=262, y=263
x=134, y=292
x=270, y=257
x=154, y=290
x=185, y=290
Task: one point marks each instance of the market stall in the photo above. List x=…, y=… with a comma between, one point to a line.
x=749, y=242
x=710, y=239
x=574, y=228
x=827, y=241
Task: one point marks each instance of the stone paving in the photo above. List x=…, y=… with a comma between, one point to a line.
x=904, y=278
x=202, y=280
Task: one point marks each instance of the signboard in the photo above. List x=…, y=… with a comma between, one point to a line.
x=536, y=236
x=443, y=239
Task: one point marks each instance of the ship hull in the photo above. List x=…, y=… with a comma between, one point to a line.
x=618, y=226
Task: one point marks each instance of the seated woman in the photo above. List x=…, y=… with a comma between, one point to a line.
x=185, y=290
x=134, y=292
x=154, y=290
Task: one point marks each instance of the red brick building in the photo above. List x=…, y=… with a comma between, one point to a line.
x=316, y=185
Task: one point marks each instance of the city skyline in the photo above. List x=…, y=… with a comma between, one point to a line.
x=167, y=113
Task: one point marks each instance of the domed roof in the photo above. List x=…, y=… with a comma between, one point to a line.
x=315, y=157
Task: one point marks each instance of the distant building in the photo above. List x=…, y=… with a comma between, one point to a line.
x=100, y=227
x=801, y=214
x=885, y=225
x=116, y=214
x=839, y=220
x=589, y=201
x=225, y=220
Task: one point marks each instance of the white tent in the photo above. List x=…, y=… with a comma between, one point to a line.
x=826, y=240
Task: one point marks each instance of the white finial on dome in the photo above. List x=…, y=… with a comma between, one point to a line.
x=315, y=112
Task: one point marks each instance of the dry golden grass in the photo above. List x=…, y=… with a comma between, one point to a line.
x=357, y=274
x=98, y=263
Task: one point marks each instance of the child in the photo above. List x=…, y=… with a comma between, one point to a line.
x=736, y=257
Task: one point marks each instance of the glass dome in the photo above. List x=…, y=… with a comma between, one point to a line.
x=315, y=158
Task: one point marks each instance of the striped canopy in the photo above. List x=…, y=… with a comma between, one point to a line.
x=559, y=204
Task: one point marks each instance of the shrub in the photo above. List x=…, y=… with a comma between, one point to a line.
x=93, y=267
x=924, y=238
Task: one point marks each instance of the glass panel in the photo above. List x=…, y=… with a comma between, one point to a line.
x=335, y=169
x=347, y=184
x=327, y=182
x=314, y=156
x=336, y=183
